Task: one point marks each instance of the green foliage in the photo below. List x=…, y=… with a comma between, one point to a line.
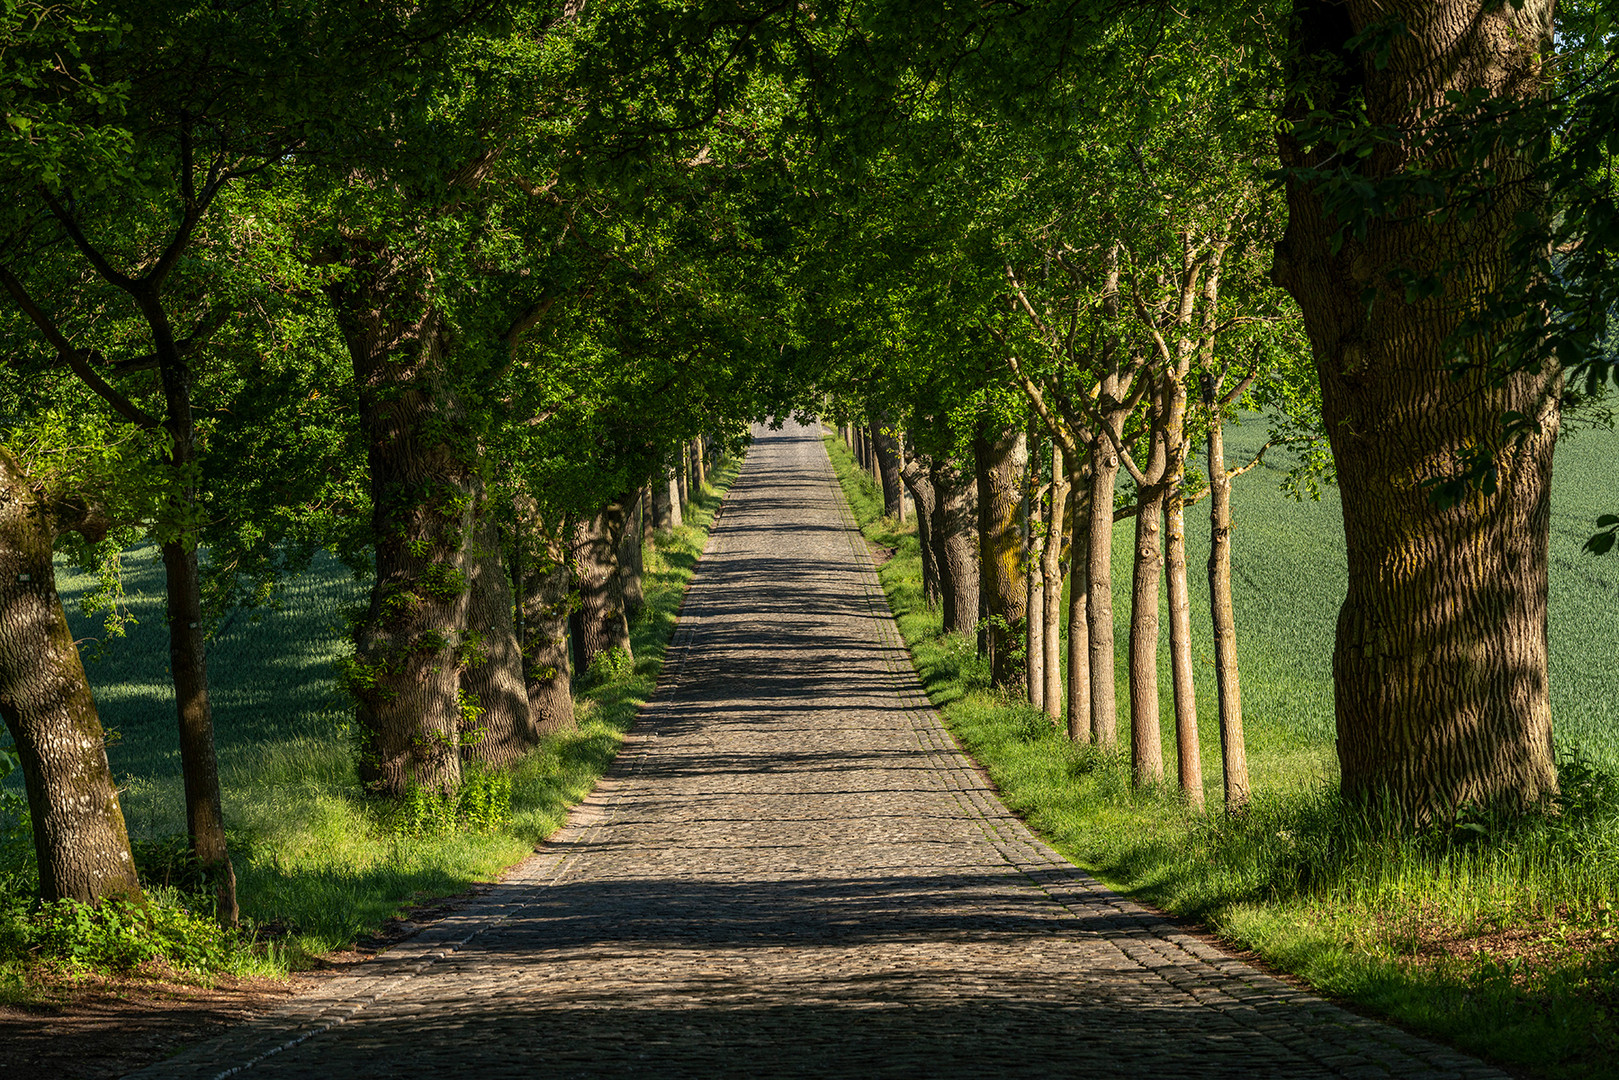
x=613, y=665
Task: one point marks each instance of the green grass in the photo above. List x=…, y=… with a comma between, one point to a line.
x=1499, y=935
x=317, y=865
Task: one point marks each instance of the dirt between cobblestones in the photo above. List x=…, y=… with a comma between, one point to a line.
x=792, y=870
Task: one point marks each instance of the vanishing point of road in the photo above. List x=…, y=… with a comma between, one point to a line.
x=792, y=871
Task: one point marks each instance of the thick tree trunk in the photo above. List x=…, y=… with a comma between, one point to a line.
x=599, y=623
x=46, y=703
x=955, y=528
x=888, y=467
x=1440, y=666
x=1051, y=578
x=999, y=456
x=493, y=675
x=1099, y=580
x=699, y=468
x=917, y=478
x=543, y=581
x=1227, y=685
x=682, y=482
x=630, y=561
x=406, y=670
x=1187, y=755
x=1079, y=637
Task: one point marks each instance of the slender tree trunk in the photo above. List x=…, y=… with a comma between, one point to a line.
x=1079, y=637
x=493, y=675
x=1099, y=577
x=682, y=482
x=46, y=703
x=955, y=527
x=1000, y=456
x=600, y=624
x=1034, y=589
x=1187, y=754
x=916, y=476
x=405, y=674
x=1440, y=665
x=1227, y=684
x=543, y=602
x=1051, y=576
x=1146, y=739
x=188, y=664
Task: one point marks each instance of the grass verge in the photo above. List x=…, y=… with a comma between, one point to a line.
x=318, y=866
x=1498, y=935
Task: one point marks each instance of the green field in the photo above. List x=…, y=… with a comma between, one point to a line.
x=1288, y=580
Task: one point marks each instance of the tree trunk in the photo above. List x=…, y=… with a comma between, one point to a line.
x=682, y=481
x=1099, y=578
x=543, y=603
x=1440, y=665
x=1034, y=589
x=1051, y=577
x=1079, y=638
x=955, y=529
x=888, y=467
x=46, y=703
x=493, y=675
x=916, y=476
x=699, y=468
x=1227, y=685
x=599, y=624
x=1187, y=754
x=1000, y=456
x=1146, y=738
x=630, y=562
x=406, y=670
x=188, y=664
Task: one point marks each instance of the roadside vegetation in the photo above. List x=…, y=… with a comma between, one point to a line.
x=1498, y=933
x=319, y=863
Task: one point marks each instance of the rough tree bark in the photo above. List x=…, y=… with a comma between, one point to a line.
x=600, y=624
x=46, y=703
x=916, y=476
x=1439, y=669
x=999, y=456
x=630, y=560
x=406, y=671
x=888, y=469
x=493, y=674
x=541, y=570
x=1034, y=588
x=1079, y=643
x=955, y=527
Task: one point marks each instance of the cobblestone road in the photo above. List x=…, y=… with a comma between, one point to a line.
x=791, y=871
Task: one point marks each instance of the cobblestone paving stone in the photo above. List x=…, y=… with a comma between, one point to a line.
x=792, y=871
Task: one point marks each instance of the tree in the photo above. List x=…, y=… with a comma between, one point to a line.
x=1439, y=668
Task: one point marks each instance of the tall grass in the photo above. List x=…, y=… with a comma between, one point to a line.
x=1498, y=933
x=318, y=864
